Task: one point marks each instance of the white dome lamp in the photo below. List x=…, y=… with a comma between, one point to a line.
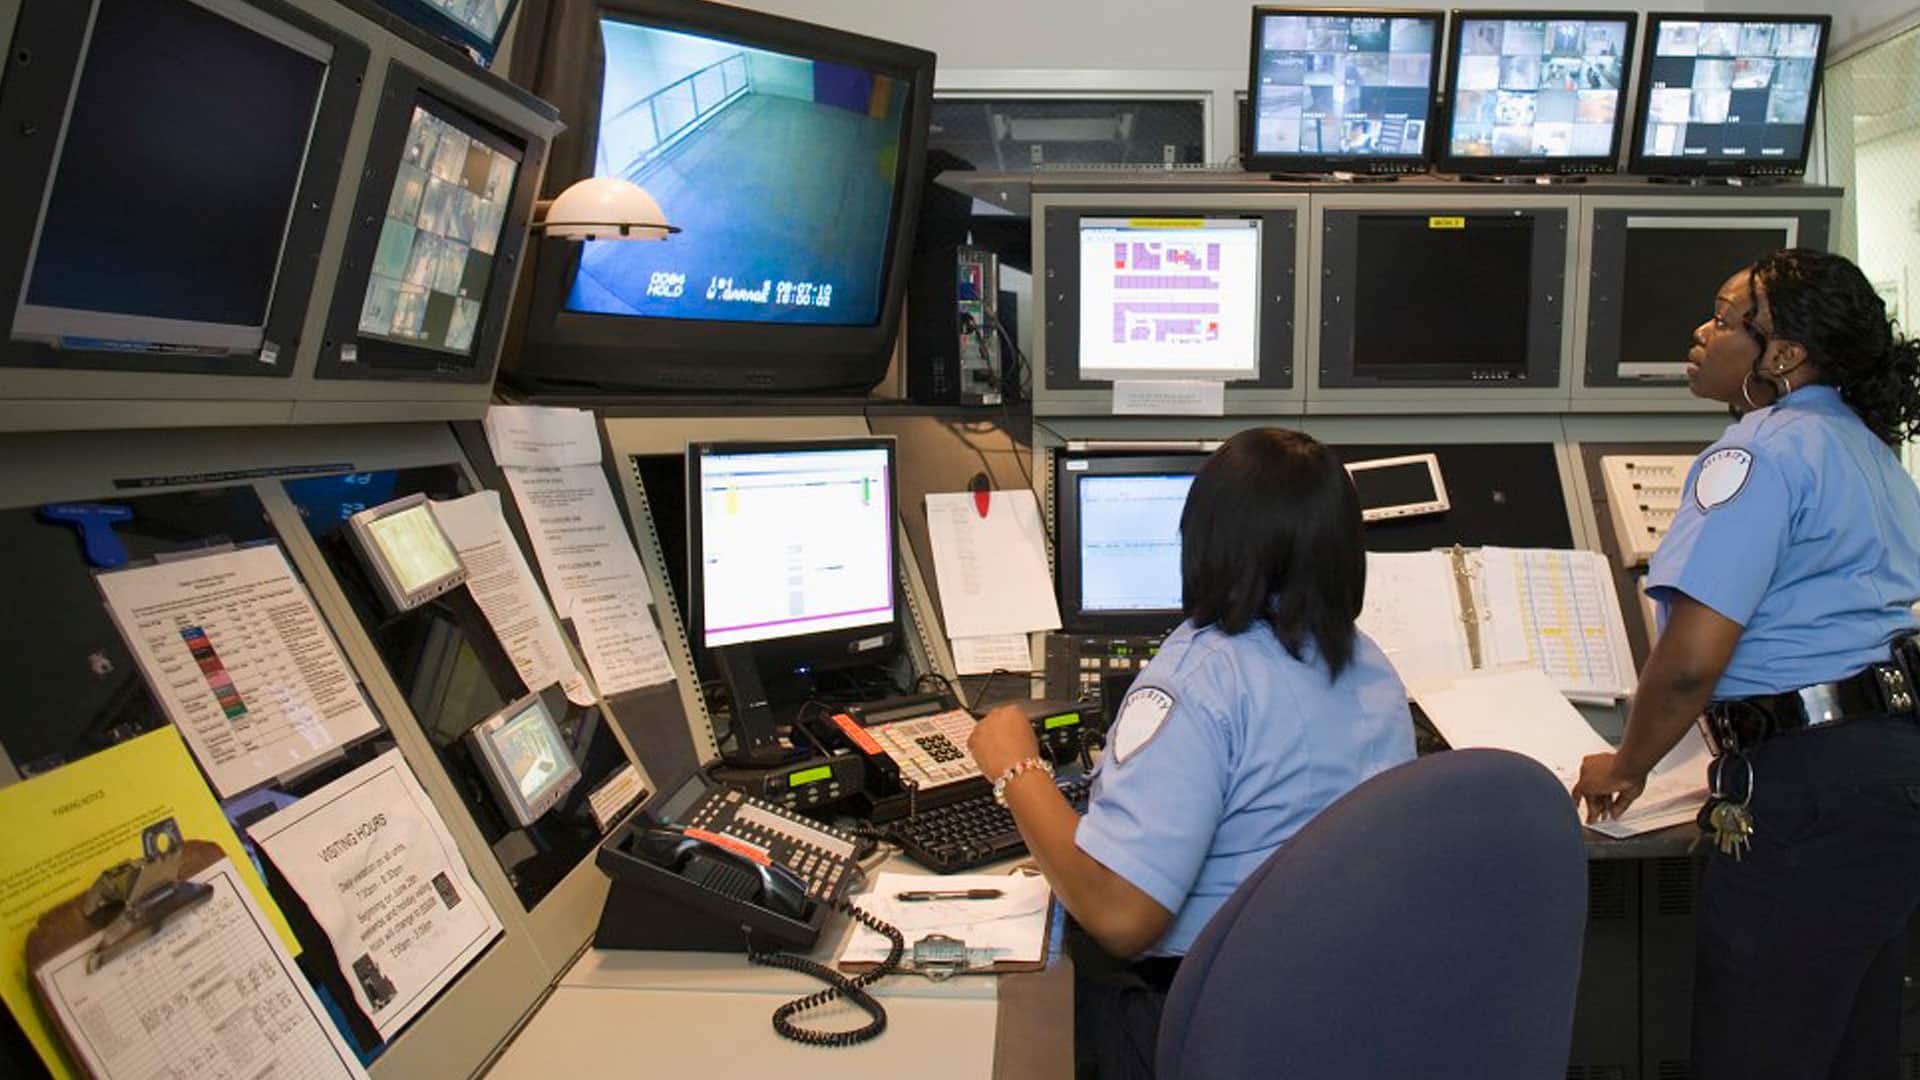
x=604, y=208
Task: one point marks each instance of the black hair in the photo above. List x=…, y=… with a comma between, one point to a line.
x=1271, y=531
x=1823, y=302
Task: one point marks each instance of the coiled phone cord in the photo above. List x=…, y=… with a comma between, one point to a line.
x=838, y=986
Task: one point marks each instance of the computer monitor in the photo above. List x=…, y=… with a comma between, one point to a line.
x=1119, y=539
x=1194, y=291
x=1652, y=274
x=1446, y=297
x=1536, y=92
x=472, y=24
x=790, y=156
x=525, y=759
x=792, y=565
x=169, y=215
x=1733, y=95
x=1341, y=89
x=439, y=224
x=406, y=552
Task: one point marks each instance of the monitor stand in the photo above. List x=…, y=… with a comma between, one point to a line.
x=1503, y=178
x=756, y=739
x=1336, y=177
x=1721, y=181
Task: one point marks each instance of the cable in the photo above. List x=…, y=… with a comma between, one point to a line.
x=986, y=686
x=838, y=986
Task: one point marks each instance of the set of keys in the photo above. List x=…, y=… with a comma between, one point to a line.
x=1730, y=823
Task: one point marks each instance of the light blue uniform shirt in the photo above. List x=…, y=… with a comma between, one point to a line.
x=1802, y=527
x=1222, y=749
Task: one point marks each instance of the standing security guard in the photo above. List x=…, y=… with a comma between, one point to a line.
x=1786, y=586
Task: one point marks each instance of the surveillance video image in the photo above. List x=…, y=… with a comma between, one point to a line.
x=1730, y=90
x=1537, y=87
x=1343, y=85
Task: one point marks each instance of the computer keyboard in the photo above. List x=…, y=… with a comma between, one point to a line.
x=971, y=832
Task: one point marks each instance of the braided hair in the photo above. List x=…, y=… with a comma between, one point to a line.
x=1823, y=302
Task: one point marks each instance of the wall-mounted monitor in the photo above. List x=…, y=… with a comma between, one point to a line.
x=1118, y=549
x=1652, y=273
x=476, y=25
x=525, y=759
x=171, y=167
x=439, y=224
x=408, y=556
x=1188, y=292
x=1442, y=297
x=1406, y=485
x=790, y=156
x=1341, y=89
x=1536, y=92
x=1732, y=96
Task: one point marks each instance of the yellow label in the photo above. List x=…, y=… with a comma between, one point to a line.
x=1446, y=223
x=1166, y=223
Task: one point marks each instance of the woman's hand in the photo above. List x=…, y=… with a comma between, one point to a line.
x=1002, y=738
x=1606, y=786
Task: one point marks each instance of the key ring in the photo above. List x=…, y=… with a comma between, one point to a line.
x=1713, y=777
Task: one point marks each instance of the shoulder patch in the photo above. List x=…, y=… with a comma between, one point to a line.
x=1141, y=714
x=1722, y=475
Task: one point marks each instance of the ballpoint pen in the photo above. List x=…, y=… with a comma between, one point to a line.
x=916, y=895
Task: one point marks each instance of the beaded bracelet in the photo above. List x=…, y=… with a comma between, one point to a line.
x=1015, y=769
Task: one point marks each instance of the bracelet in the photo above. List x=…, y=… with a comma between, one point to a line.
x=1015, y=769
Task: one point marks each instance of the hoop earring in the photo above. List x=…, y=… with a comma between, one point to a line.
x=1747, y=394
x=1784, y=387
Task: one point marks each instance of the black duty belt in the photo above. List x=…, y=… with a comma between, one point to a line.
x=1886, y=689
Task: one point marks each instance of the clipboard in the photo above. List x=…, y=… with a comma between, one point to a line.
x=942, y=970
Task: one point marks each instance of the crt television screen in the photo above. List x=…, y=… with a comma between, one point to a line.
x=1343, y=85
x=1537, y=87
x=780, y=169
x=1730, y=90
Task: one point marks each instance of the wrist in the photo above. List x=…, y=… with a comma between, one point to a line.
x=1014, y=772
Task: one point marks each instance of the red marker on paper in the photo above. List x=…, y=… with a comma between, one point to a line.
x=982, y=489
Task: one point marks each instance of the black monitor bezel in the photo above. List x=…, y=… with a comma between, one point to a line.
x=445, y=27
x=652, y=354
x=1640, y=164
x=1529, y=165
x=1548, y=309
x=1402, y=165
x=1278, y=281
x=37, y=86
x=824, y=649
x=382, y=358
x=1069, y=468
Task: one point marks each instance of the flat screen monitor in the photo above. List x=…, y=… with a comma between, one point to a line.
x=1342, y=89
x=1463, y=298
x=791, y=548
x=407, y=553
x=525, y=759
x=472, y=24
x=1653, y=274
x=1406, y=485
x=1119, y=539
x=791, y=158
x=441, y=220
x=1536, y=92
x=1169, y=298
x=170, y=216
x=1733, y=95
x=1193, y=290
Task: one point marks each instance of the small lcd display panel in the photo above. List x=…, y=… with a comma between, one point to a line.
x=1399, y=486
x=435, y=257
x=1437, y=293
x=1342, y=88
x=1734, y=95
x=408, y=553
x=1532, y=93
x=525, y=759
x=1170, y=297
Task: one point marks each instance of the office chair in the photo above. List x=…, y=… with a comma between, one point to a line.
x=1428, y=923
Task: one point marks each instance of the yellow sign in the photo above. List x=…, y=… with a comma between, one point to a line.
x=65, y=827
x=1166, y=223
x=1446, y=223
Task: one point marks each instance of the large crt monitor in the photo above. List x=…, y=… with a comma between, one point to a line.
x=789, y=155
x=170, y=169
x=1341, y=89
x=1119, y=539
x=1728, y=96
x=1533, y=92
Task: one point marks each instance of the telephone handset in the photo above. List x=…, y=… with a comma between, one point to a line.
x=706, y=860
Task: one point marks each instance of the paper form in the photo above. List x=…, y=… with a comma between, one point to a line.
x=241, y=662
x=380, y=874
x=502, y=584
x=1557, y=609
x=1015, y=925
x=577, y=535
x=1169, y=397
x=535, y=436
x=212, y=993
x=621, y=643
x=64, y=827
x=1412, y=611
x=995, y=652
x=992, y=570
x=1675, y=789
x=1517, y=709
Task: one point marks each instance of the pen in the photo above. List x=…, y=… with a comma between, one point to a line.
x=948, y=894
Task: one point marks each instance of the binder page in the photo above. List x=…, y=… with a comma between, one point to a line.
x=1557, y=610
x=1517, y=709
x=1675, y=789
x=1412, y=612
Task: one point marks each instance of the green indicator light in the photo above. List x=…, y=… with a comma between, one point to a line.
x=1063, y=720
x=809, y=776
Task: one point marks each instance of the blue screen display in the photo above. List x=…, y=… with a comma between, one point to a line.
x=780, y=170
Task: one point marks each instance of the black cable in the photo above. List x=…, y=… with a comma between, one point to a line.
x=838, y=986
x=984, y=687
